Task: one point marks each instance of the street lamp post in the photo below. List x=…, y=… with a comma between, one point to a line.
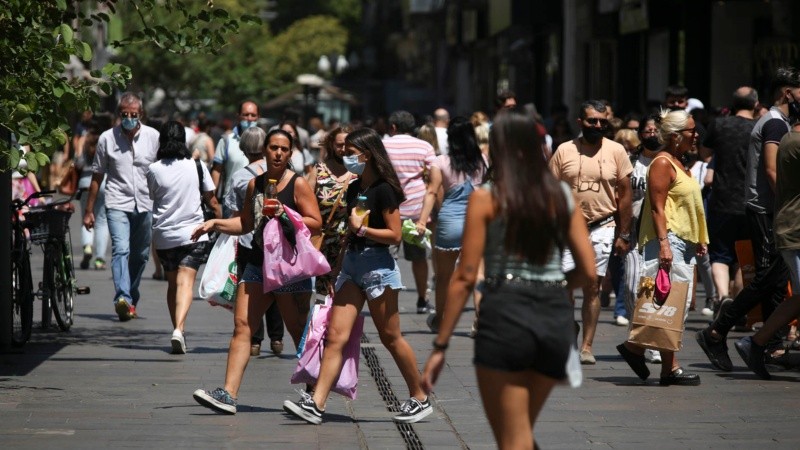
x=311, y=84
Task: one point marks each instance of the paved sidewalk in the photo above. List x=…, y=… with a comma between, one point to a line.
x=110, y=384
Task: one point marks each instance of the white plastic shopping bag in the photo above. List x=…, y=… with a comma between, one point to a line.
x=218, y=283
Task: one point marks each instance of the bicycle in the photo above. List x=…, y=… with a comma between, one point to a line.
x=48, y=226
x=21, y=279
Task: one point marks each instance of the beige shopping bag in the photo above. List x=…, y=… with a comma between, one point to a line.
x=659, y=328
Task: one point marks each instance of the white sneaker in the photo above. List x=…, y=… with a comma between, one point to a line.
x=652, y=356
x=621, y=321
x=708, y=312
x=178, y=343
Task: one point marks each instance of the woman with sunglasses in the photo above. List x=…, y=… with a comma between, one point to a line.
x=369, y=274
x=673, y=228
x=251, y=301
x=519, y=224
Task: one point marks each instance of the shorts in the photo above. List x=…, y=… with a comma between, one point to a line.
x=520, y=328
x=725, y=230
x=792, y=259
x=190, y=255
x=602, y=240
x=255, y=274
x=683, y=251
x=372, y=269
x=449, y=232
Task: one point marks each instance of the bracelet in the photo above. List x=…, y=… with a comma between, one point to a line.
x=662, y=239
x=438, y=346
x=362, y=231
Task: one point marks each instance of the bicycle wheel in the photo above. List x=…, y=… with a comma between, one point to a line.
x=62, y=295
x=22, y=300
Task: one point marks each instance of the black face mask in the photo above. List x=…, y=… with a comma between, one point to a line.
x=651, y=143
x=593, y=135
x=794, y=109
x=676, y=108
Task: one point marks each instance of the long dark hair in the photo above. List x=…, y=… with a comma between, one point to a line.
x=530, y=198
x=369, y=141
x=465, y=154
x=172, y=142
x=295, y=142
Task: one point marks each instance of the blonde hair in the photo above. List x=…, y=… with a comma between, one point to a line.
x=629, y=136
x=671, y=123
x=477, y=118
x=428, y=134
x=482, y=133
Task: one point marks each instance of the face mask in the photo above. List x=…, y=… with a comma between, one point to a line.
x=352, y=165
x=651, y=143
x=593, y=135
x=130, y=123
x=794, y=108
x=245, y=124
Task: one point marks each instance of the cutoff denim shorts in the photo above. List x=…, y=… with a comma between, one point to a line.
x=255, y=274
x=372, y=269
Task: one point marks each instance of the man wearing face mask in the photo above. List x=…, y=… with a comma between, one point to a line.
x=768, y=286
x=727, y=140
x=229, y=158
x=599, y=172
x=123, y=155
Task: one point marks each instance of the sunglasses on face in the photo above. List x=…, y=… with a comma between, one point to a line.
x=596, y=120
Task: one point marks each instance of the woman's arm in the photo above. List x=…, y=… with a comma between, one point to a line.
x=235, y=226
x=307, y=204
x=480, y=210
x=659, y=179
x=391, y=235
x=585, y=273
x=430, y=199
x=210, y=149
x=212, y=201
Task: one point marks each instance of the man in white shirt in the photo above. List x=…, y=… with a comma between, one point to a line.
x=228, y=157
x=441, y=120
x=124, y=154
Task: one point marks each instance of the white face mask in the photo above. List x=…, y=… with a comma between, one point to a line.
x=352, y=165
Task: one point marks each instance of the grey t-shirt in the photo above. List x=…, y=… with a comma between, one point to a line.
x=234, y=199
x=769, y=129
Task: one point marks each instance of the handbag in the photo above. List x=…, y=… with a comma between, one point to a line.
x=69, y=182
x=662, y=287
x=317, y=239
x=289, y=259
x=661, y=328
x=307, y=370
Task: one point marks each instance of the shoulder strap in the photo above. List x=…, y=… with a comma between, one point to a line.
x=199, y=178
x=251, y=170
x=338, y=200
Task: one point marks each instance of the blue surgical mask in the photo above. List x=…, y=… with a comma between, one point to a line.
x=352, y=165
x=245, y=124
x=130, y=123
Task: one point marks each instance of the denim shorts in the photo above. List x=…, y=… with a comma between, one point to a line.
x=372, y=269
x=189, y=255
x=255, y=274
x=683, y=251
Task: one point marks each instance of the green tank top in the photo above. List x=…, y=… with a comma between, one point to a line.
x=497, y=263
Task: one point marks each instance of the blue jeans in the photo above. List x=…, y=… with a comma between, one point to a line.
x=130, y=250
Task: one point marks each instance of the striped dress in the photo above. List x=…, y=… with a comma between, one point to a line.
x=410, y=157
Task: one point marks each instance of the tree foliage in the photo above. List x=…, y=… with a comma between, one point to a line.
x=39, y=38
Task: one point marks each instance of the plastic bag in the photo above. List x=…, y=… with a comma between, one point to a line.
x=307, y=370
x=410, y=235
x=219, y=280
x=285, y=263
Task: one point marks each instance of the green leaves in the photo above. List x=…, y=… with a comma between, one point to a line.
x=66, y=33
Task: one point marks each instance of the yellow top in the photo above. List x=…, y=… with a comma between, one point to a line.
x=684, y=210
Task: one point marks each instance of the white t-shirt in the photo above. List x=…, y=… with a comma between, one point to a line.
x=441, y=136
x=639, y=182
x=174, y=189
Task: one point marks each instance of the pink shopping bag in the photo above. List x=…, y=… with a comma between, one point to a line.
x=307, y=370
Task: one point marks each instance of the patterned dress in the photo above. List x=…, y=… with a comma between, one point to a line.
x=327, y=190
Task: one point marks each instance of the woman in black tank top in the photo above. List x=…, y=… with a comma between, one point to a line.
x=251, y=303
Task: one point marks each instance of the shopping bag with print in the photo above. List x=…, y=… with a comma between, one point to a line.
x=218, y=283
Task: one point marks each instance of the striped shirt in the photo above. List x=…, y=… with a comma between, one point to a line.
x=410, y=157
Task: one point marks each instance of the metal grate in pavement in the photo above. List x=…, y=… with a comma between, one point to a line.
x=407, y=432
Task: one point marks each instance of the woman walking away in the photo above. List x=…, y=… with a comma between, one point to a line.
x=519, y=223
x=458, y=173
x=175, y=189
x=673, y=228
x=368, y=274
x=251, y=301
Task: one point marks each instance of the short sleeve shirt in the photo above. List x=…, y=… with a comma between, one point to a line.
x=380, y=197
x=769, y=129
x=231, y=157
x=729, y=138
x=175, y=189
x=410, y=157
x=450, y=178
x=787, y=193
x=593, y=177
x=234, y=199
x=125, y=162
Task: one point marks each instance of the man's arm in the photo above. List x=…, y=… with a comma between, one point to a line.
x=770, y=156
x=94, y=187
x=216, y=173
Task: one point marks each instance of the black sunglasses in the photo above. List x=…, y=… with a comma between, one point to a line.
x=596, y=120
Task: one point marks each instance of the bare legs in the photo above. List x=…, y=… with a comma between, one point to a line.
x=420, y=270
x=445, y=263
x=179, y=295
x=590, y=314
x=347, y=304
x=512, y=402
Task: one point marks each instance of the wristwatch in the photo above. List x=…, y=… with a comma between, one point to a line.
x=625, y=237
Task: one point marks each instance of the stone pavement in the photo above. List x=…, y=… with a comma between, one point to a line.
x=110, y=384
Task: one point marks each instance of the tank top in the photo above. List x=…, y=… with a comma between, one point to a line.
x=498, y=263
x=285, y=196
x=684, y=210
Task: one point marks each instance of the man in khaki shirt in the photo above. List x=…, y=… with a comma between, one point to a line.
x=599, y=171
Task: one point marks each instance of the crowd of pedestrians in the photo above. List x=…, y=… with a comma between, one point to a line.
x=519, y=212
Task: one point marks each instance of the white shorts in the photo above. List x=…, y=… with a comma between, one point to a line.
x=602, y=240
